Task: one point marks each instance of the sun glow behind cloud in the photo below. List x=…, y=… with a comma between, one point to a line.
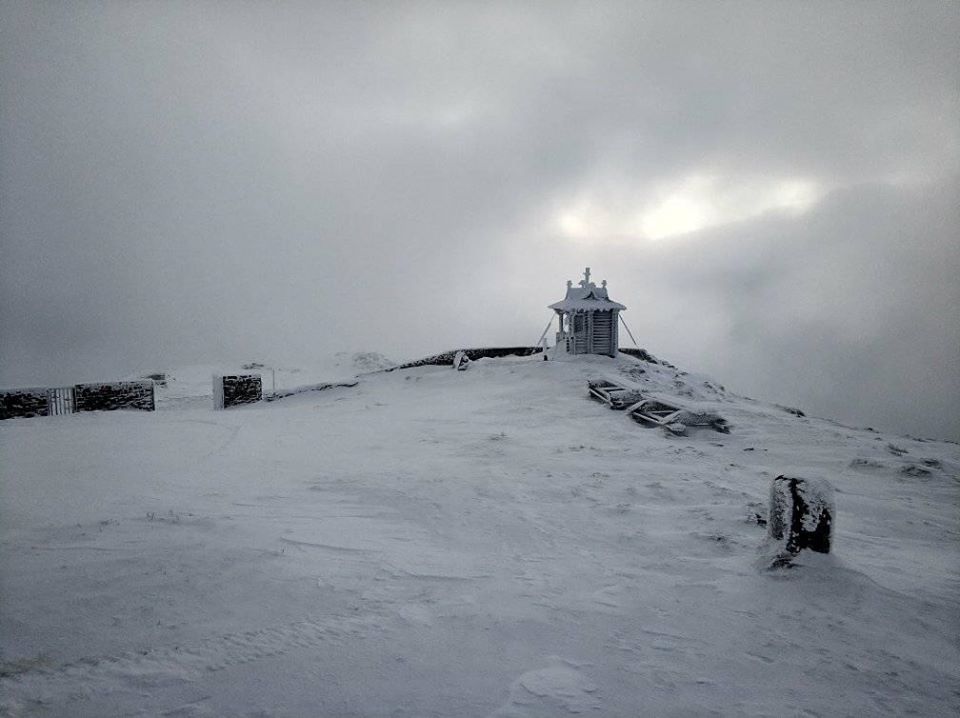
x=694, y=203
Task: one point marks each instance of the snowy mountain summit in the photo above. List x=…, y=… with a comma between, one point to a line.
x=487, y=542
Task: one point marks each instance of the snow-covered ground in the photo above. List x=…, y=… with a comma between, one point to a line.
x=192, y=386
x=479, y=543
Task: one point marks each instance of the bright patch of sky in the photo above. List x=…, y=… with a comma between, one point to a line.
x=694, y=203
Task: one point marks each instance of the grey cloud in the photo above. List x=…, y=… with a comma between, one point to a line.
x=850, y=310
x=191, y=181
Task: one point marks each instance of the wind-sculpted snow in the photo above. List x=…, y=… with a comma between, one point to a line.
x=481, y=543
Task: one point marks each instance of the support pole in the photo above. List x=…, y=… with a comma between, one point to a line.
x=545, y=330
x=628, y=330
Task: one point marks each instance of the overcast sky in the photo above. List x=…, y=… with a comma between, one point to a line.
x=771, y=188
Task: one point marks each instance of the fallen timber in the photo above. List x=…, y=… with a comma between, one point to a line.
x=653, y=411
x=674, y=418
x=613, y=394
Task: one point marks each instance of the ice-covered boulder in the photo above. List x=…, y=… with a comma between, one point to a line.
x=802, y=512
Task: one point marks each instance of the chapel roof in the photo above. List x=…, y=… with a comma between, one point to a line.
x=586, y=297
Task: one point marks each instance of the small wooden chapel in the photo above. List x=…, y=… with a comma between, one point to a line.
x=588, y=319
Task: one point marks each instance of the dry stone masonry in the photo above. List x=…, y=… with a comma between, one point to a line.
x=42, y=401
x=115, y=395
x=23, y=402
x=236, y=389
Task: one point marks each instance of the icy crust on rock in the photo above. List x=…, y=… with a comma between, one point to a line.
x=802, y=516
x=820, y=500
x=780, y=514
x=818, y=496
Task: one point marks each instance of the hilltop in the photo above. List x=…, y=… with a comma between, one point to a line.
x=487, y=542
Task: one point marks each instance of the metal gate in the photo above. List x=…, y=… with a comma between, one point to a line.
x=60, y=401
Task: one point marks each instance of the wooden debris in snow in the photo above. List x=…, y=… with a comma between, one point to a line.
x=674, y=418
x=613, y=394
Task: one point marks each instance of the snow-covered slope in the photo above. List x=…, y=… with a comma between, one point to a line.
x=488, y=542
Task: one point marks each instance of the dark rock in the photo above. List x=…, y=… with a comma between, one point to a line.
x=801, y=515
x=792, y=410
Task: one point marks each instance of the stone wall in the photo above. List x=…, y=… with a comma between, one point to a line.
x=23, y=402
x=236, y=390
x=114, y=395
x=446, y=358
x=284, y=393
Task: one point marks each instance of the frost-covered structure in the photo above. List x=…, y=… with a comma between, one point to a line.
x=236, y=389
x=588, y=319
x=100, y=396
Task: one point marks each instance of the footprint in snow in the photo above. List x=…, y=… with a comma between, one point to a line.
x=549, y=692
